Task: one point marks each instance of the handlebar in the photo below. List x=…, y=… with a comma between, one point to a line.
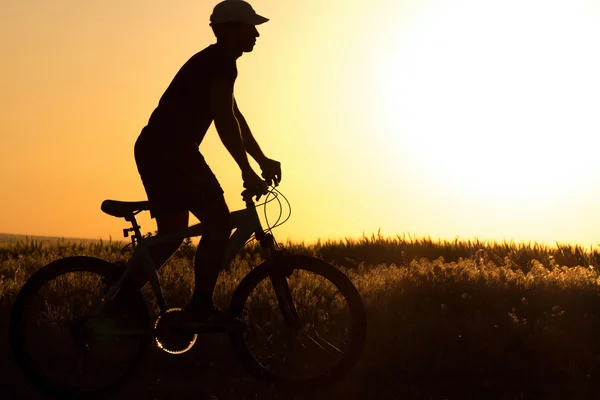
x=272, y=195
x=248, y=194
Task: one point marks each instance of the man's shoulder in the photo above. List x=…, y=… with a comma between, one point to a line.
x=204, y=55
x=212, y=54
x=211, y=59
x=209, y=62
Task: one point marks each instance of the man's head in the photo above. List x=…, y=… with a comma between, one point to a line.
x=234, y=23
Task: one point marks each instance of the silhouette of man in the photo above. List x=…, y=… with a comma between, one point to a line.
x=175, y=175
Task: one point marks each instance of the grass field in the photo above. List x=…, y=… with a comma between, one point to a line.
x=447, y=320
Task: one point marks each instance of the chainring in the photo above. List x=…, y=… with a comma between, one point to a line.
x=170, y=339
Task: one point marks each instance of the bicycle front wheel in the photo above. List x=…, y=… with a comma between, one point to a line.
x=59, y=346
x=301, y=323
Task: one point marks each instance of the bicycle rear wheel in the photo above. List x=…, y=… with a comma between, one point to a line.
x=330, y=330
x=61, y=349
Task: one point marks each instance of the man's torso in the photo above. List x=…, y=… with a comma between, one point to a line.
x=183, y=114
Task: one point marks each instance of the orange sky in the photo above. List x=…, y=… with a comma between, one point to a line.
x=442, y=118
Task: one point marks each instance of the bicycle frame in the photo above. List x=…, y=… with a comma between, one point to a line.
x=245, y=222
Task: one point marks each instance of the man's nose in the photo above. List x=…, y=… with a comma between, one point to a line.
x=256, y=34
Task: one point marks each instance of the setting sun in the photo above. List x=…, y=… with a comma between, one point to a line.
x=498, y=99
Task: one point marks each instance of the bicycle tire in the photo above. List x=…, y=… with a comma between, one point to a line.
x=25, y=299
x=290, y=264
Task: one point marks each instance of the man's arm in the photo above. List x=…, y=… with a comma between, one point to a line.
x=228, y=128
x=271, y=169
x=250, y=143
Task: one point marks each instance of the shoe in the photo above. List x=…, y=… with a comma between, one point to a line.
x=211, y=314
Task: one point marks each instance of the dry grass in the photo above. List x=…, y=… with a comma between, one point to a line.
x=489, y=315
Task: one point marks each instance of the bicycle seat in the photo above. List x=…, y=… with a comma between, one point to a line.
x=123, y=209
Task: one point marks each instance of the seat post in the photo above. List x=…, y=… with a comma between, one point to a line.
x=137, y=234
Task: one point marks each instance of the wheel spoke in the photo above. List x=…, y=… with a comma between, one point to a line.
x=322, y=343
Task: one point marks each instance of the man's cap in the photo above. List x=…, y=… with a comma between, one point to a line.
x=235, y=11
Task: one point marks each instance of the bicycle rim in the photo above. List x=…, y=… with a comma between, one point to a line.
x=321, y=347
x=58, y=347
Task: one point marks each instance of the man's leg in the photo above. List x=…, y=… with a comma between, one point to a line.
x=160, y=253
x=210, y=254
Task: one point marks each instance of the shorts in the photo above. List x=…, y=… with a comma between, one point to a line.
x=177, y=178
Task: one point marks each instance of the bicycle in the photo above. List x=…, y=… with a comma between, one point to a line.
x=277, y=309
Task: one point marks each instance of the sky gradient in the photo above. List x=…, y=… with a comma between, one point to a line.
x=455, y=118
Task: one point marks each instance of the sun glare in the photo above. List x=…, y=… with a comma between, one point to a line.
x=498, y=98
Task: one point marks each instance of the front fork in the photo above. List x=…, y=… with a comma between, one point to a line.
x=279, y=279
x=285, y=300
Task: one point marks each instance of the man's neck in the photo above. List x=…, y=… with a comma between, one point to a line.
x=229, y=50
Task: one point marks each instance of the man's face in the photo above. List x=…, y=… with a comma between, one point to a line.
x=245, y=35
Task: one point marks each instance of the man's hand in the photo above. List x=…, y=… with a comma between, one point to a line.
x=271, y=171
x=253, y=182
